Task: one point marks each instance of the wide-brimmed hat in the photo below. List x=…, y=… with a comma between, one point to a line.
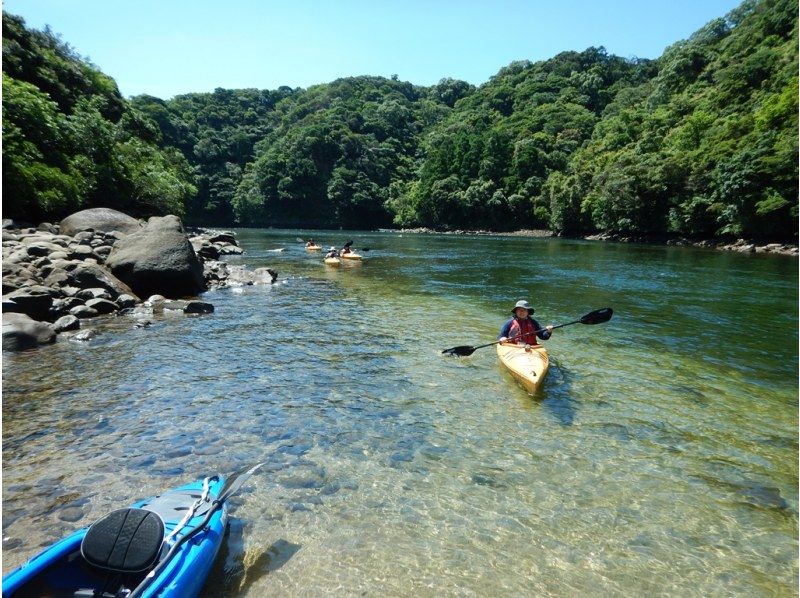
x=332, y=249
x=525, y=305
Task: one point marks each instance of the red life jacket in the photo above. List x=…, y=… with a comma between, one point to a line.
x=525, y=327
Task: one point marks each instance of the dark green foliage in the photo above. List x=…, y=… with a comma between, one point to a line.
x=338, y=154
x=702, y=141
x=71, y=141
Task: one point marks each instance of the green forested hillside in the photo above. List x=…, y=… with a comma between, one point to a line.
x=702, y=141
x=70, y=140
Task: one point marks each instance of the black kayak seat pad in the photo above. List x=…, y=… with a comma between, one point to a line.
x=125, y=541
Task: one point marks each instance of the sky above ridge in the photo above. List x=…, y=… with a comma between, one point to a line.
x=169, y=47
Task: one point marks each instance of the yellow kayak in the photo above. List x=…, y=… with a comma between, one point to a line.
x=350, y=256
x=528, y=366
x=332, y=261
x=313, y=247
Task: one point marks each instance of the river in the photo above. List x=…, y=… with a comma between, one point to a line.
x=660, y=458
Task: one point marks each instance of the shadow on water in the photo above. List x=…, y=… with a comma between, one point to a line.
x=236, y=569
x=558, y=397
x=555, y=396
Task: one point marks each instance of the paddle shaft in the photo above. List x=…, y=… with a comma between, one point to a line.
x=513, y=338
x=216, y=505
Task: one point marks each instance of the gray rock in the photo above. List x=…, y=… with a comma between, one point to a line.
x=125, y=301
x=84, y=335
x=231, y=250
x=47, y=227
x=155, y=300
x=83, y=311
x=102, y=306
x=84, y=237
x=86, y=275
x=41, y=249
x=95, y=293
x=158, y=259
x=58, y=255
x=12, y=283
x=35, y=301
x=42, y=262
x=64, y=305
x=57, y=278
x=81, y=252
x=21, y=332
x=67, y=323
x=264, y=274
x=198, y=307
x=98, y=219
x=174, y=305
x=9, y=236
x=225, y=237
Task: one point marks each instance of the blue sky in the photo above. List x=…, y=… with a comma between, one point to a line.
x=169, y=47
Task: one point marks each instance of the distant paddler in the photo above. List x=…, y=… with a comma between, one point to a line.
x=311, y=246
x=349, y=254
x=332, y=257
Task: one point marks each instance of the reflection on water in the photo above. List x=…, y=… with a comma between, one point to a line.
x=661, y=456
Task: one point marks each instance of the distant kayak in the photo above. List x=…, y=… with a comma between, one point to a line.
x=351, y=256
x=333, y=261
x=314, y=247
x=528, y=366
x=115, y=555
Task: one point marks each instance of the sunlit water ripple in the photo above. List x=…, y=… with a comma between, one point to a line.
x=660, y=458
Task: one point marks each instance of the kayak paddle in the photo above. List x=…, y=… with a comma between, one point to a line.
x=597, y=316
x=231, y=487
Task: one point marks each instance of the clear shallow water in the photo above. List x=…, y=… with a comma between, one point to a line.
x=661, y=456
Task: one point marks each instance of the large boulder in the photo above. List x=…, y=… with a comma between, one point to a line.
x=100, y=220
x=158, y=259
x=21, y=332
x=87, y=276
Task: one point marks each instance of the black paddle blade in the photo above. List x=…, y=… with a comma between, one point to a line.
x=233, y=483
x=598, y=316
x=348, y=244
x=462, y=351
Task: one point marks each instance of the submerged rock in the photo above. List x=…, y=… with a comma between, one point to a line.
x=198, y=307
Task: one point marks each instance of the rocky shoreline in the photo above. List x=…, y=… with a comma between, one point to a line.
x=739, y=245
x=101, y=262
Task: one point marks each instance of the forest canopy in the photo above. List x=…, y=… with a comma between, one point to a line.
x=702, y=141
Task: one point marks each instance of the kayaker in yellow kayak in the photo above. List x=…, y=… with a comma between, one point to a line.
x=522, y=328
x=311, y=243
x=332, y=252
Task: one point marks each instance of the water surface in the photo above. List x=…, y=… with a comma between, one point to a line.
x=661, y=456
